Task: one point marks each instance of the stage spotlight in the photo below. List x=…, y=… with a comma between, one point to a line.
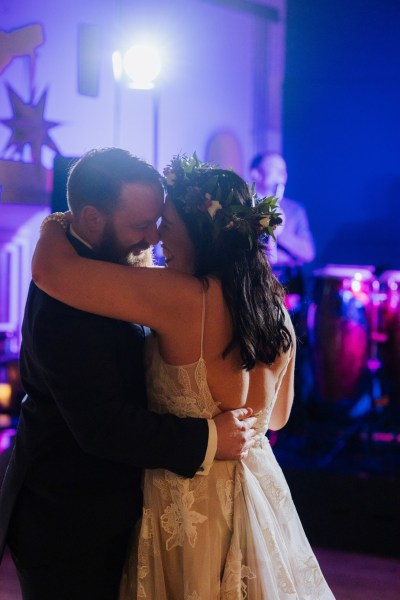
x=142, y=64
x=137, y=68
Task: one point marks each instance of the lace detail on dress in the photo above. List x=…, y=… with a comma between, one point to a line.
x=181, y=390
x=231, y=535
x=225, y=491
x=179, y=518
x=193, y=596
x=235, y=587
x=261, y=426
x=314, y=583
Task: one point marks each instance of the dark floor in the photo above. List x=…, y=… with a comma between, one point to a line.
x=350, y=576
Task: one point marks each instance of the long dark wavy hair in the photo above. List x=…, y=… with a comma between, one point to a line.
x=236, y=256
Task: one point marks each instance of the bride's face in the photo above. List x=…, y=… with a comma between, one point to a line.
x=177, y=246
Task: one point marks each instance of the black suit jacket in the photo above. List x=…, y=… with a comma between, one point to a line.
x=84, y=432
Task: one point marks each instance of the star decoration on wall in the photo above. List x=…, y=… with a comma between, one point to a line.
x=29, y=126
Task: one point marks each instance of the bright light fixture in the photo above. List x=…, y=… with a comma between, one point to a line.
x=142, y=64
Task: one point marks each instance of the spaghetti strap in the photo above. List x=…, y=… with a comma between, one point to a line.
x=203, y=314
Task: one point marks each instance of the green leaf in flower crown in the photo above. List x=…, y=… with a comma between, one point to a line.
x=271, y=232
x=269, y=202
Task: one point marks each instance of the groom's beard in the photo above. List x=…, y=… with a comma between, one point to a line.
x=110, y=250
x=144, y=259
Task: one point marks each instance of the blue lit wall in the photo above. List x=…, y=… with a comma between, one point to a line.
x=342, y=126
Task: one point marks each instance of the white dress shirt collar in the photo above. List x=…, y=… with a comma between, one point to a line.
x=78, y=237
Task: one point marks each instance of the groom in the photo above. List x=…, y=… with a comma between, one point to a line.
x=71, y=494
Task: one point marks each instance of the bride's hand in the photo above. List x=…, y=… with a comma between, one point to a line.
x=53, y=251
x=64, y=219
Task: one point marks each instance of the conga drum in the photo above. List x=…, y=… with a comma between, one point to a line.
x=339, y=329
x=389, y=324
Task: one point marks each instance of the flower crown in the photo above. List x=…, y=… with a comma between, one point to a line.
x=215, y=197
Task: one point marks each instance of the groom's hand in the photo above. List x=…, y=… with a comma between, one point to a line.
x=235, y=433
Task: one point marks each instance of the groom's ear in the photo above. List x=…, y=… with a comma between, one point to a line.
x=93, y=220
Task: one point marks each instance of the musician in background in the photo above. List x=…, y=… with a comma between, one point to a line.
x=295, y=245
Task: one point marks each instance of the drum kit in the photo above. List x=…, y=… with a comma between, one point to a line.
x=353, y=323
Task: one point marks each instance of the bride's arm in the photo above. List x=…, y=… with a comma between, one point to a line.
x=138, y=294
x=284, y=401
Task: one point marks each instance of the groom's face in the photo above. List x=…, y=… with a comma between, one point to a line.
x=132, y=227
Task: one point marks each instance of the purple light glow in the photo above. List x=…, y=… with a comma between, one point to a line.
x=19, y=232
x=383, y=437
x=6, y=439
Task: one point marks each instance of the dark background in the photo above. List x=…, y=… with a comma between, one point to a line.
x=342, y=126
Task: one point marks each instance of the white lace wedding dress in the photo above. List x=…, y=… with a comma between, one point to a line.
x=231, y=535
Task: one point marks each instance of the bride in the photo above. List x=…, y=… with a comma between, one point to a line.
x=222, y=339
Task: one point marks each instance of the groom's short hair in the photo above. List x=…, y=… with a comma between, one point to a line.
x=97, y=177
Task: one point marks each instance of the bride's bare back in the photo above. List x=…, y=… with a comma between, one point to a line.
x=230, y=385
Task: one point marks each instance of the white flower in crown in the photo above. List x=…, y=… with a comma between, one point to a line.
x=213, y=206
x=170, y=176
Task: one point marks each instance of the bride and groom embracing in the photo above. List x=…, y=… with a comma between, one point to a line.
x=191, y=408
